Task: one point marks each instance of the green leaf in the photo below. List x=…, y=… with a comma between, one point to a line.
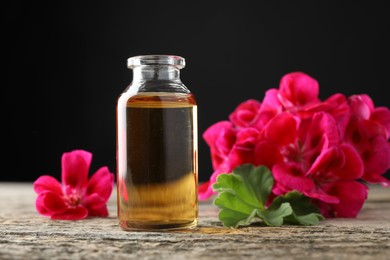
x=250, y=184
x=242, y=193
x=303, y=211
x=233, y=219
x=275, y=216
x=242, y=196
x=227, y=200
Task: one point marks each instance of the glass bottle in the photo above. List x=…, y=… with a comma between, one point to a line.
x=157, y=147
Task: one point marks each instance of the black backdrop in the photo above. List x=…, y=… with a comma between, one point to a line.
x=66, y=64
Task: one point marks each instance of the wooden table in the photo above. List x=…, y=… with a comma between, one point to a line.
x=24, y=234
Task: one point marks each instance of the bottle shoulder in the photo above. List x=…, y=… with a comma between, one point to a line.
x=157, y=99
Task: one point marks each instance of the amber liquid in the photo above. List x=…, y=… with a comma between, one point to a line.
x=157, y=162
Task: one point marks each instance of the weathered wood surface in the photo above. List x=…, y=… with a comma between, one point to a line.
x=24, y=234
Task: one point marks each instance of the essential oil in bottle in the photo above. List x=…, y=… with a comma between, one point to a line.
x=157, y=143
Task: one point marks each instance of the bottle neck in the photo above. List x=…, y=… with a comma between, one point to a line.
x=152, y=73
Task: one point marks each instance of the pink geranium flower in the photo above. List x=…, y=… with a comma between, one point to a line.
x=298, y=90
x=368, y=131
x=77, y=197
x=328, y=150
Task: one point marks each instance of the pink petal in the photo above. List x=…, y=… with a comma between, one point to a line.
x=47, y=183
x=75, y=168
x=243, y=150
x=309, y=110
x=213, y=132
x=240, y=155
x=282, y=129
x=298, y=88
x=98, y=211
x=291, y=176
x=53, y=202
x=246, y=113
x=102, y=183
x=378, y=179
x=340, y=110
x=323, y=196
x=268, y=154
x=247, y=136
x=327, y=161
x=352, y=196
x=71, y=214
x=270, y=107
x=322, y=125
x=271, y=102
x=359, y=108
x=376, y=156
x=353, y=167
x=367, y=99
x=336, y=100
x=382, y=116
x=221, y=138
x=217, y=159
x=93, y=200
x=40, y=207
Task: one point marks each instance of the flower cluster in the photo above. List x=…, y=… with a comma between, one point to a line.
x=329, y=150
x=77, y=197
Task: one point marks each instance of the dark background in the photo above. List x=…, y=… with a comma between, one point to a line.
x=66, y=65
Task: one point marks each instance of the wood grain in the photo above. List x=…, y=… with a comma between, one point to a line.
x=24, y=234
